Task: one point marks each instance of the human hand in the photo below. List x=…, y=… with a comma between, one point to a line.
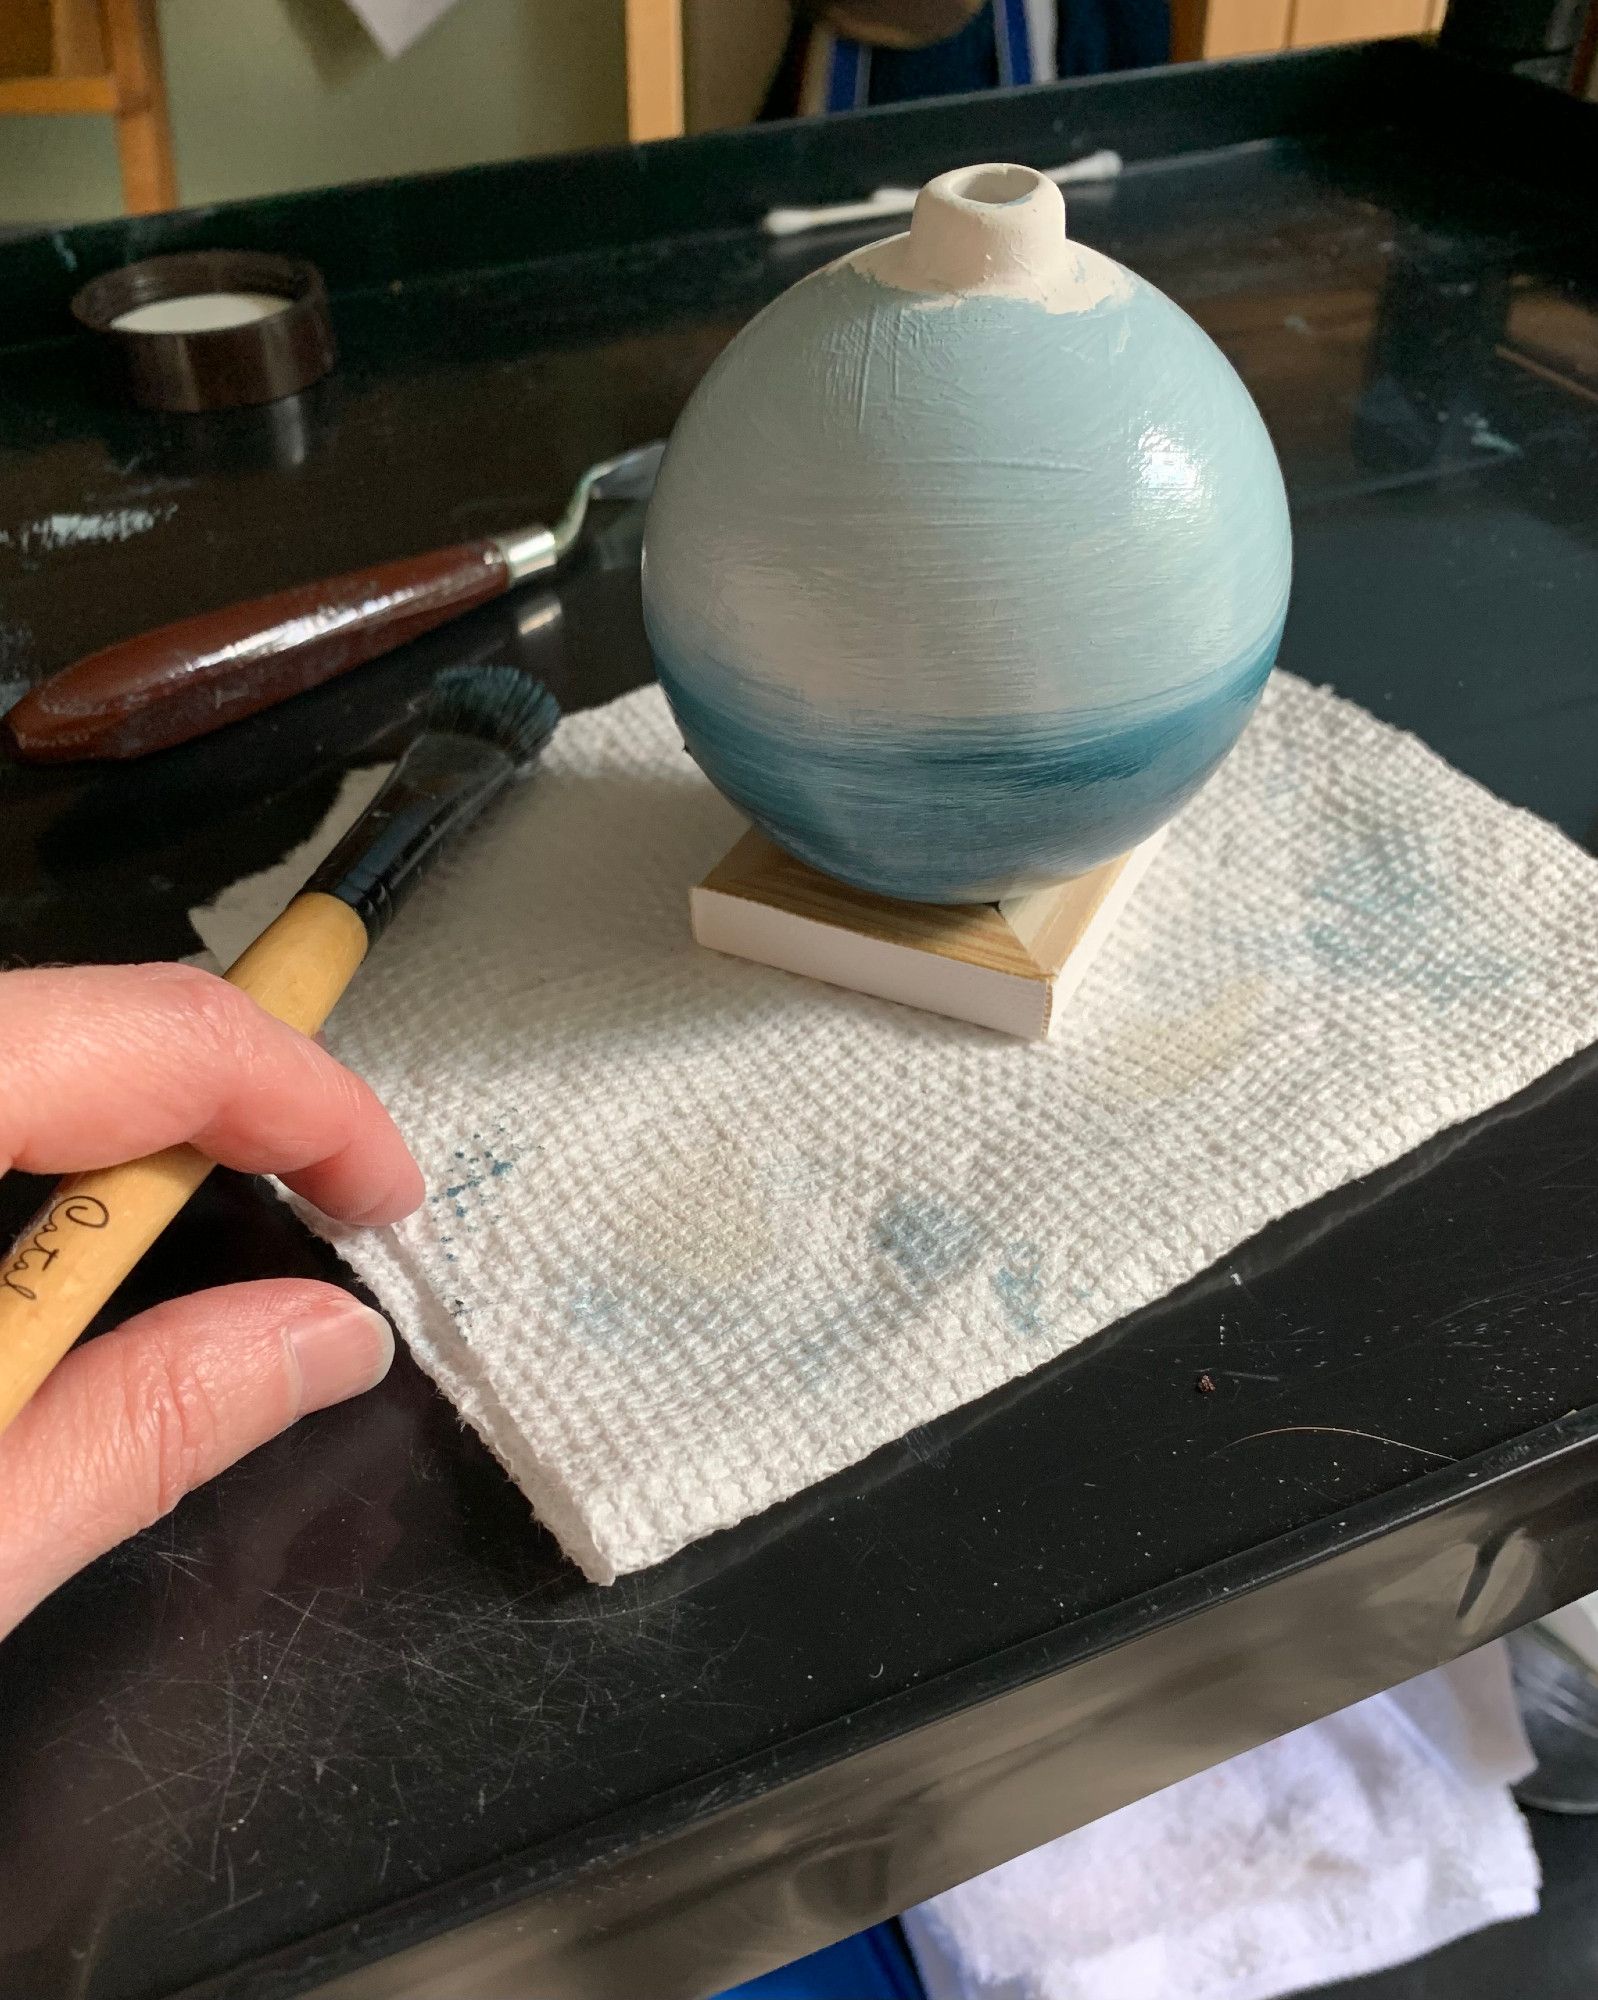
x=100, y=1064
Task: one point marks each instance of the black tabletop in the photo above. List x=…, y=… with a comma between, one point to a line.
x=347, y=1717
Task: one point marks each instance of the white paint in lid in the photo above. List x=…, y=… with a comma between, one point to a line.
x=200, y=312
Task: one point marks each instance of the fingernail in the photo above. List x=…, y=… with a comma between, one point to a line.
x=340, y=1353
x=403, y=1195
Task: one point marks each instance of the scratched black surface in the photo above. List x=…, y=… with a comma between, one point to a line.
x=353, y=1672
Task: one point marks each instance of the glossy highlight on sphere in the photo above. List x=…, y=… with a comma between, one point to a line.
x=956, y=592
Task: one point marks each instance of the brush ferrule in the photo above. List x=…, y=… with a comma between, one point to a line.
x=440, y=783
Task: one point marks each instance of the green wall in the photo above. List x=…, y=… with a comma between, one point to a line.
x=272, y=94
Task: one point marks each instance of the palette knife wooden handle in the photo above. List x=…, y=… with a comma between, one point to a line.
x=186, y=679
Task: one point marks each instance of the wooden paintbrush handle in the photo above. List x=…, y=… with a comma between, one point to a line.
x=75, y=1252
x=301, y=963
x=183, y=680
x=96, y=1226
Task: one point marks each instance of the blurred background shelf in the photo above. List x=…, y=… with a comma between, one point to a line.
x=1210, y=29
x=270, y=96
x=277, y=95
x=66, y=58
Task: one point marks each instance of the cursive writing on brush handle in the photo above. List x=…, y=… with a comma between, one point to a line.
x=84, y=1211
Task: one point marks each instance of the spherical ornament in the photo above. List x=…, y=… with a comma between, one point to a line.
x=969, y=556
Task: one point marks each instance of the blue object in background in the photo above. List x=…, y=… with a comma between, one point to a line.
x=1007, y=42
x=1100, y=35
x=873, y=1965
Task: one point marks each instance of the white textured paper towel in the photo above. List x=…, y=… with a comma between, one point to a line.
x=702, y=1232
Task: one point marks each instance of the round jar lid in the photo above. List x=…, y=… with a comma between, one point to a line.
x=210, y=329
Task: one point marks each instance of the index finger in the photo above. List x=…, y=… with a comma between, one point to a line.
x=102, y=1063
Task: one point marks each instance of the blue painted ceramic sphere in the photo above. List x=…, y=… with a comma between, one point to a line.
x=969, y=556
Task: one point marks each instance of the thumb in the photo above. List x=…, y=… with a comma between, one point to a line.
x=132, y=1421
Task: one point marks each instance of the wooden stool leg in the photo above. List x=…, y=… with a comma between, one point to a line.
x=654, y=69
x=144, y=135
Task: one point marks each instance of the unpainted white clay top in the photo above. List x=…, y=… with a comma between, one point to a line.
x=994, y=231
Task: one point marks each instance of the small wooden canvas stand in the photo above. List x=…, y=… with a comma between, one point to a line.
x=1007, y=965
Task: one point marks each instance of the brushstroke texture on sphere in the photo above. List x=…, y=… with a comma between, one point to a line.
x=958, y=595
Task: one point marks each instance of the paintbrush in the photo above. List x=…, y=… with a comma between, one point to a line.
x=483, y=726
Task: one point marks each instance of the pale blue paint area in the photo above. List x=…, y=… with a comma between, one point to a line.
x=814, y=1356
x=956, y=598
x=928, y=1242
x=1391, y=920
x=1019, y=1288
x=600, y=1314
x=1382, y=916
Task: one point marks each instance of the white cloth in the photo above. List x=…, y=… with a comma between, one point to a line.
x=1577, y=1626
x=1355, y=1843
x=702, y=1232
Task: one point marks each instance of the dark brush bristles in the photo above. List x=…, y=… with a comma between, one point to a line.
x=483, y=727
x=499, y=704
